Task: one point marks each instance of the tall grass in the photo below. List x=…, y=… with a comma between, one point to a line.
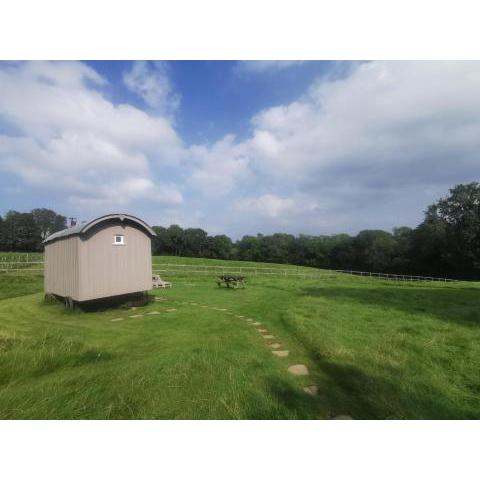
x=373, y=348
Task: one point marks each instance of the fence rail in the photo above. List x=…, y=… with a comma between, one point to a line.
x=11, y=265
x=397, y=277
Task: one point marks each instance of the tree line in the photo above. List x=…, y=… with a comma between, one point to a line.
x=25, y=232
x=445, y=244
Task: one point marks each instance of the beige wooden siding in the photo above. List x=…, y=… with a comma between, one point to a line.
x=107, y=270
x=61, y=274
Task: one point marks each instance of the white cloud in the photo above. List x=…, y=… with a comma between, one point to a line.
x=69, y=138
x=216, y=170
x=124, y=192
x=264, y=66
x=385, y=114
x=267, y=205
x=151, y=82
x=372, y=146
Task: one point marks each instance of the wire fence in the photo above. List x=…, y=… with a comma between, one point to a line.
x=14, y=264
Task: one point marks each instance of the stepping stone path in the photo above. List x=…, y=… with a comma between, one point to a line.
x=298, y=369
x=116, y=319
x=280, y=353
x=311, y=390
x=153, y=313
x=136, y=316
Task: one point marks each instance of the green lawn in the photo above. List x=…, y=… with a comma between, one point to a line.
x=373, y=348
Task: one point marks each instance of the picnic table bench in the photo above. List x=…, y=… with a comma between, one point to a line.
x=231, y=281
x=159, y=283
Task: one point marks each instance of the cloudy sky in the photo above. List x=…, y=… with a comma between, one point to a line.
x=239, y=147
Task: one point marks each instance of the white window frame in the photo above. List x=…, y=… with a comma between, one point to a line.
x=122, y=237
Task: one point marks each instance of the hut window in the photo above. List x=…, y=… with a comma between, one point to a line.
x=119, y=240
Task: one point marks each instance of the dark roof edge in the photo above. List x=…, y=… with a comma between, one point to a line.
x=81, y=228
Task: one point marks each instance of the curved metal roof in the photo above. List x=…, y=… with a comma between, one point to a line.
x=82, y=228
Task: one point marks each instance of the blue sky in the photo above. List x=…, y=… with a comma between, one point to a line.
x=239, y=147
x=218, y=97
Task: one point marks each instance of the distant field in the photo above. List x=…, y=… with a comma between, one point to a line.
x=374, y=350
x=20, y=257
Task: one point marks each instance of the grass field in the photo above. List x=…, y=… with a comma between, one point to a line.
x=374, y=350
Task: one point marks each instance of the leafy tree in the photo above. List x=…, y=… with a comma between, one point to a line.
x=194, y=242
x=48, y=221
x=20, y=232
x=429, y=251
x=374, y=250
x=161, y=244
x=175, y=233
x=220, y=246
x=248, y=248
x=460, y=212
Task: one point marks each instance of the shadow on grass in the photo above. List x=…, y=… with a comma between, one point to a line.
x=460, y=306
x=347, y=389
x=139, y=299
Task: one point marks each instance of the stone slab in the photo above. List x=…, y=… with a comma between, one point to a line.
x=298, y=369
x=311, y=390
x=280, y=353
x=343, y=417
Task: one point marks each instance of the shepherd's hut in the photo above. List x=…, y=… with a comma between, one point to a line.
x=105, y=257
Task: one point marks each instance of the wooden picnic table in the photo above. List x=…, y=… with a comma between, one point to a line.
x=231, y=281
